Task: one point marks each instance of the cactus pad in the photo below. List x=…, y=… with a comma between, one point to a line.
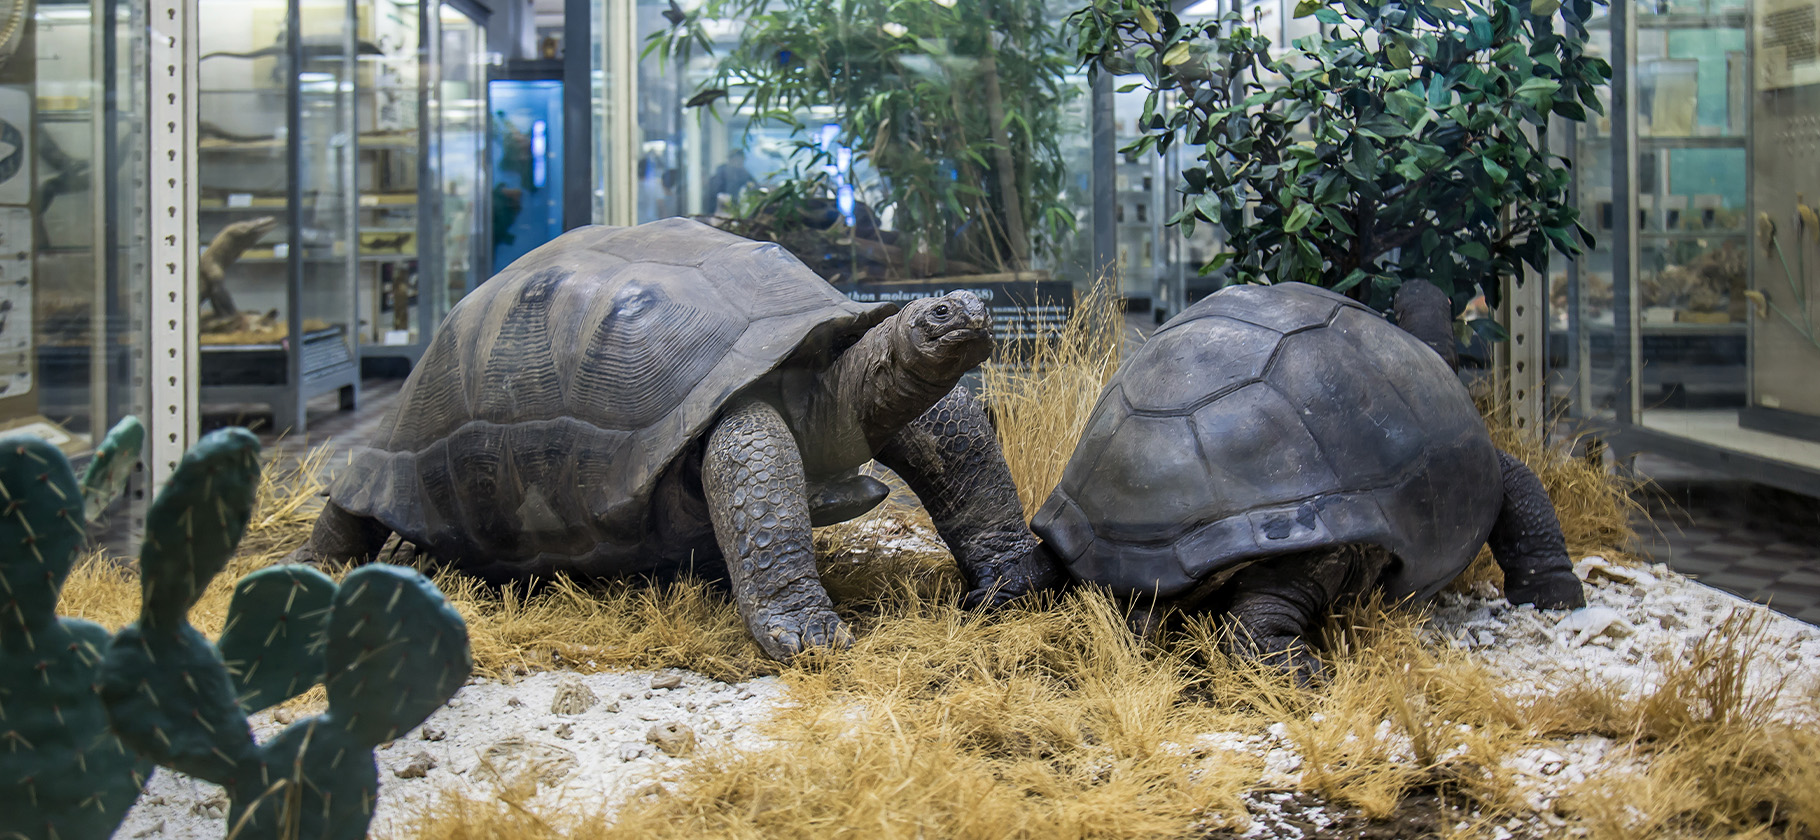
x=112, y=465
x=385, y=642
x=62, y=773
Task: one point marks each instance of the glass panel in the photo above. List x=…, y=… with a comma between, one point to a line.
x=1782, y=416
x=1692, y=206
x=281, y=259
x=241, y=115
x=527, y=174
x=1581, y=353
x=462, y=129
x=72, y=222
x=387, y=177
x=937, y=149
x=326, y=237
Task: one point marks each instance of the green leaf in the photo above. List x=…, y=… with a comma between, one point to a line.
x=1130, y=87
x=1399, y=56
x=1357, y=276
x=1176, y=55
x=1299, y=218
x=1327, y=16
x=1474, y=250
x=1146, y=20
x=1543, y=8
x=1498, y=173
x=1308, y=7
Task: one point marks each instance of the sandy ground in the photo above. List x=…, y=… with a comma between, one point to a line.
x=610, y=736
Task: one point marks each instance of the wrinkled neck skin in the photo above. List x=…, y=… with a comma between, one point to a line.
x=867, y=395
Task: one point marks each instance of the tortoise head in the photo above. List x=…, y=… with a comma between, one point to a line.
x=943, y=337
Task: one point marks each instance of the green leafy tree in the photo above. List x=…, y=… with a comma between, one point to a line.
x=956, y=106
x=1406, y=139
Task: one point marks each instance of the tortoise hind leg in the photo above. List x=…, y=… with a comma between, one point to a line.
x=341, y=538
x=1275, y=602
x=752, y=476
x=1526, y=541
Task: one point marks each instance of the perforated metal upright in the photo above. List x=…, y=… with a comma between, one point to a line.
x=171, y=143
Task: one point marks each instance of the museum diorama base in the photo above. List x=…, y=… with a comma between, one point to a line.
x=1658, y=702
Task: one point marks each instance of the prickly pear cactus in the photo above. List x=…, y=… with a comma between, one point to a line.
x=385, y=642
x=62, y=772
x=112, y=465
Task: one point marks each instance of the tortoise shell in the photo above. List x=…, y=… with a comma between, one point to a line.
x=1266, y=420
x=555, y=396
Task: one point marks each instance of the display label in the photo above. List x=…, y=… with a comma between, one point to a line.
x=1021, y=310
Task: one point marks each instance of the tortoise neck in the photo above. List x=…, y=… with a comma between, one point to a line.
x=865, y=396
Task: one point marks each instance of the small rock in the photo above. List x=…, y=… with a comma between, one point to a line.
x=514, y=702
x=673, y=738
x=666, y=681
x=572, y=697
x=651, y=789
x=431, y=733
x=611, y=708
x=418, y=767
x=648, y=715
x=214, y=807
x=518, y=758
x=565, y=731
x=631, y=752
x=156, y=828
x=1589, y=623
x=284, y=716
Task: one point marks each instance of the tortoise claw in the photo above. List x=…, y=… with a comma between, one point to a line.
x=787, y=637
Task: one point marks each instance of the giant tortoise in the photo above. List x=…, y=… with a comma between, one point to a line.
x=1274, y=448
x=644, y=400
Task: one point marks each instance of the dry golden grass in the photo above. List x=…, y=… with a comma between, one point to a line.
x=1055, y=721
x=1041, y=396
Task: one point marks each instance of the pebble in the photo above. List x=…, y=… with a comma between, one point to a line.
x=418, y=767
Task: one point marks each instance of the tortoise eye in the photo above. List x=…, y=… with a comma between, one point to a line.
x=942, y=311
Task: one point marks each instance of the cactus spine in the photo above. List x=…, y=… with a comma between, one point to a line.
x=63, y=774
x=386, y=644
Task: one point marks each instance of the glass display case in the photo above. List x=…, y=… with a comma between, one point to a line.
x=74, y=280
x=1679, y=331
x=420, y=190
x=277, y=204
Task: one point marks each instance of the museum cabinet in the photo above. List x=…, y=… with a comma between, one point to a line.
x=73, y=218
x=1687, y=330
x=341, y=162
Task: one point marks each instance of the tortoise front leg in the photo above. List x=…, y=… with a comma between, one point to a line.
x=752, y=475
x=1526, y=541
x=950, y=457
x=341, y=537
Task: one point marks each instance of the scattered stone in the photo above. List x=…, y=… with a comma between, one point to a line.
x=284, y=716
x=1589, y=623
x=431, y=733
x=156, y=828
x=651, y=789
x=666, y=681
x=674, y=738
x=518, y=759
x=611, y=708
x=418, y=767
x=514, y=702
x=572, y=697
x=565, y=731
x=213, y=807
x=631, y=752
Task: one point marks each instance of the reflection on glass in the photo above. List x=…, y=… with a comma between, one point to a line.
x=462, y=140
x=72, y=220
x=527, y=174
